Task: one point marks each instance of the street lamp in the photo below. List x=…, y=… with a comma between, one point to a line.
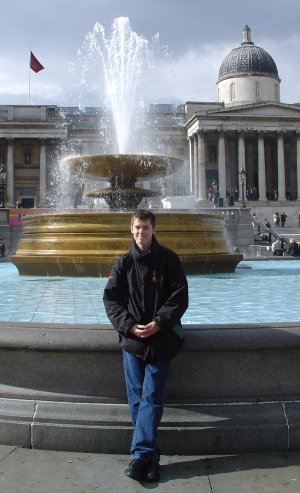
x=243, y=183
x=2, y=186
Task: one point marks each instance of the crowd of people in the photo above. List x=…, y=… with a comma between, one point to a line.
x=280, y=246
x=293, y=249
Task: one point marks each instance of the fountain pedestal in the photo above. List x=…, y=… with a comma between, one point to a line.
x=88, y=243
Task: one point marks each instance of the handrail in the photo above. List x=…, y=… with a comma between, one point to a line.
x=270, y=230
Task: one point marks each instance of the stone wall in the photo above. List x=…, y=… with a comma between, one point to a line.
x=232, y=388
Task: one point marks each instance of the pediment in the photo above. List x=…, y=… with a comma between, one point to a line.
x=260, y=110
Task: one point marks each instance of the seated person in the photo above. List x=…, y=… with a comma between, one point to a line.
x=293, y=249
x=3, y=249
x=277, y=247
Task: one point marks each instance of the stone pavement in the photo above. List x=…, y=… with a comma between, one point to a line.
x=44, y=471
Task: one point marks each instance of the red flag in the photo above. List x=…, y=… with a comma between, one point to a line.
x=34, y=64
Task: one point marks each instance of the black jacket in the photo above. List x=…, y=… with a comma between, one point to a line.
x=144, y=288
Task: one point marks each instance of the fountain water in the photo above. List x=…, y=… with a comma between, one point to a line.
x=88, y=243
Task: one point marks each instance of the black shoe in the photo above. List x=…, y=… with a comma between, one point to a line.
x=136, y=469
x=152, y=473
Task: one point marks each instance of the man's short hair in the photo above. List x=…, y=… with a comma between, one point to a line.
x=144, y=215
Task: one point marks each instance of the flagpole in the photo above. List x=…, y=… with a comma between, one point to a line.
x=29, y=77
x=29, y=86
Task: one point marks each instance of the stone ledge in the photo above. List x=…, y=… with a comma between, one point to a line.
x=225, y=363
x=102, y=337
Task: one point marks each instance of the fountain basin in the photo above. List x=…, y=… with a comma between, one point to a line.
x=88, y=243
x=122, y=172
x=124, y=166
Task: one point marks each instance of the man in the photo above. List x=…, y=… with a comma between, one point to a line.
x=145, y=297
x=283, y=217
x=293, y=249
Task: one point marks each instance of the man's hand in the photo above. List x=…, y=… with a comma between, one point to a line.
x=143, y=331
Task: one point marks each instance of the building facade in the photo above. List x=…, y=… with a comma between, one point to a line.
x=249, y=129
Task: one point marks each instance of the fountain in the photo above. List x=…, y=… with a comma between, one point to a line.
x=88, y=243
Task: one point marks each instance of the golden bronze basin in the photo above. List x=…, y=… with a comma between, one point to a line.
x=88, y=243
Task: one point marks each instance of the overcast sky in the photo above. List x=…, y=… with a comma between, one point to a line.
x=198, y=35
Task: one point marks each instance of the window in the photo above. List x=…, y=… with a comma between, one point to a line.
x=232, y=91
x=276, y=92
x=212, y=153
x=27, y=155
x=257, y=89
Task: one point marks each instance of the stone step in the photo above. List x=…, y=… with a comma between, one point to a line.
x=185, y=429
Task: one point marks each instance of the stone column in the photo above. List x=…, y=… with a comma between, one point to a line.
x=192, y=165
x=10, y=174
x=201, y=176
x=43, y=176
x=222, y=165
x=261, y=167
x=281, y=167
x=298, y=165
x=196, y=164
x=242, y=160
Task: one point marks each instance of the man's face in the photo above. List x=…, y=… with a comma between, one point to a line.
x=142, y=233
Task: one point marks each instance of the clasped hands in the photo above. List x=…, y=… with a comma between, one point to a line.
x=143, y=331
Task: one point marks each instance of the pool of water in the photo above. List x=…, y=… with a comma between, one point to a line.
x=257, y=292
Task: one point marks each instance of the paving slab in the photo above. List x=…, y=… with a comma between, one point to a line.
x=44, y=471
x=255, y=473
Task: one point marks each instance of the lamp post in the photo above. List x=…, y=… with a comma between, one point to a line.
x=2, y=186
x=243, y=183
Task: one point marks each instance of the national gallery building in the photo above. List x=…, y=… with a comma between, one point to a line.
x=247, y=143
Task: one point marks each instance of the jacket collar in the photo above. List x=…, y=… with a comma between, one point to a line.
x=139, y=255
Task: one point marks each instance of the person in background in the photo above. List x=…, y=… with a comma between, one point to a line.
x=276, y=219
x=145, y=297
x=277, y=247
x=293, y=250
x=283, y=217
x=3, y=249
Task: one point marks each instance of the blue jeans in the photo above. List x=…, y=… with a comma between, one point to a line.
x=145, y=383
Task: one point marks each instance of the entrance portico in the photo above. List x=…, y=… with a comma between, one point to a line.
x=263, y=139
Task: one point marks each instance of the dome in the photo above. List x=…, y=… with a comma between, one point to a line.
x=247, y=59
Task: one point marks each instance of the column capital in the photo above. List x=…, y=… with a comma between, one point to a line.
x=261, y=133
